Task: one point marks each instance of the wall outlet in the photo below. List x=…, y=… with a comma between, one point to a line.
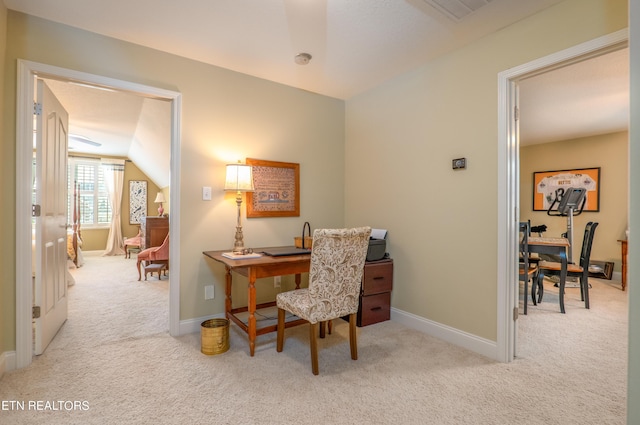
x=276, y=281
x=208, y=292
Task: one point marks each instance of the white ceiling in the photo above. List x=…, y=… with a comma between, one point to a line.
x=584, y=99
x=355, y=45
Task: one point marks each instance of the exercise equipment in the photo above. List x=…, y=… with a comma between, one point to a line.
x=570, y=203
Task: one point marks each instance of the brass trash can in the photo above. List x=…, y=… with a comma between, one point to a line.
x=214, y=335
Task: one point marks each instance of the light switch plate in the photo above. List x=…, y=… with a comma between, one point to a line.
x=206, y=193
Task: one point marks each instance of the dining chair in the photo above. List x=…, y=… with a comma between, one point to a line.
x=527, y=269
x=335, y=277
x=580, y=270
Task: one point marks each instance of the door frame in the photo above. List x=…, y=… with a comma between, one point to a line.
x=509, y=173
x=26, y=72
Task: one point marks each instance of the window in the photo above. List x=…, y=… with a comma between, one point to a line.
x=95, y=209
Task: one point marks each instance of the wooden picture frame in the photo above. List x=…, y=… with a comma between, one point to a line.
x=545, y=184
x=277, y=189
x=137, y=200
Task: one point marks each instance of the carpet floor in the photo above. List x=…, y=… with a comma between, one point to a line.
x=114, y=362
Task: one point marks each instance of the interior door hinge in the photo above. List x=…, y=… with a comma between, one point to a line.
x=516, y=113
x=35, y=312
x=37, y=108
x=515, y=313
x=35, y=210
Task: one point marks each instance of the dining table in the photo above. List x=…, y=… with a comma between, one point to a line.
x=557, y=247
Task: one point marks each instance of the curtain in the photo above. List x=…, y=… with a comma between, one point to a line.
x=113, y=170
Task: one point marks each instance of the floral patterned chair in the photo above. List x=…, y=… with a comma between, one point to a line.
x=335, y=277
x=155, y=259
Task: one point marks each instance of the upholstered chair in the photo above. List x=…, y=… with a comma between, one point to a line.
x=134, y=242
x=156, y=254
x=335, y=277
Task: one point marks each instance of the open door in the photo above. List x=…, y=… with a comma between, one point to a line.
x=50, y=283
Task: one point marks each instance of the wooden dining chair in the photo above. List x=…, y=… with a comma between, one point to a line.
x=528, y=270
x=580, y=270
x=335, y=277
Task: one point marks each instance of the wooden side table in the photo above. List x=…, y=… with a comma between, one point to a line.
x=624, y=263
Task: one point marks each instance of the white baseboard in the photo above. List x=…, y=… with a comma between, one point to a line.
x=465, y=340
x=191, y=326
x=7, y=362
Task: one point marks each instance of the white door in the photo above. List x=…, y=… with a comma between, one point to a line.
x=50, y=285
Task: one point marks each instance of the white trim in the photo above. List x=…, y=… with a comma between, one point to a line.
x=508, y=170
x=454, y=336
x=27, y=70
x=7, y=362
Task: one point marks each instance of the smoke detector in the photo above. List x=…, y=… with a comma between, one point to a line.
x=302, y=58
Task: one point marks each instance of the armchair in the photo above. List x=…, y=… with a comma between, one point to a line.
x=154, y=256
x=135, y=241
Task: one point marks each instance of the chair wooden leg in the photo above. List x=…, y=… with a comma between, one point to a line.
x=322, y=329
x=329, y=326
x=313, y=345
x=280, y=336
x=526, y=290
x=138, y=266
x=353, y=342
x=584, y=284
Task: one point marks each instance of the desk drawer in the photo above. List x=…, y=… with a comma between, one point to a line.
x=374, y=308
x=377, y=277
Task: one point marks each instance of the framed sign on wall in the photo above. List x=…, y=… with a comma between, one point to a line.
x=547, y=185
x=277, y=189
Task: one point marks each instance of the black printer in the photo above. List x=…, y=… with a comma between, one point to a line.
x=377, y=245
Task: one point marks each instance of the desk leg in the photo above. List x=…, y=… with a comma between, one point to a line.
x=227, y=292
x=298, y=278
x=252, y=310
x=624, y=265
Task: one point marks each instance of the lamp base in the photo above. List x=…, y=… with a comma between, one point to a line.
x=160, y=211
x=238, y=245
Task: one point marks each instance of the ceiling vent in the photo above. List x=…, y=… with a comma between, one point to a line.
x=457, y=9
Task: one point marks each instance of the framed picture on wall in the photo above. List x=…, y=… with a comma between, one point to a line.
x=548, y=185
x=277, y=189
x=137, y=200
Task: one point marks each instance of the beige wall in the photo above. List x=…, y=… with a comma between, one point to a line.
x=7, y=222
x=401, y=138
x=610, y=153
x=226, y=116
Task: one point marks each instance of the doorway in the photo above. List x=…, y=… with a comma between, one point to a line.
x=27, y=72
x=509, y=179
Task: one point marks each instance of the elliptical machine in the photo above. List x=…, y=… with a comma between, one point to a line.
x=570, y=203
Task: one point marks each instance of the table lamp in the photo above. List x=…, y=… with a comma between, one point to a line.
x=159, y=200
x=239, y=179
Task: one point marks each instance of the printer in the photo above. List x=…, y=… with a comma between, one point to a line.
x=377, y=245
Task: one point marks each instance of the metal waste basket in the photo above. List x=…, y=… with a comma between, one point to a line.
x=214, y=336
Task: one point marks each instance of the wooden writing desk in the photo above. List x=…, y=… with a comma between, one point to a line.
x=255, y=268
x=553, y=246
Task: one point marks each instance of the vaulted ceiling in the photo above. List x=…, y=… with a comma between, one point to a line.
x=354, y=46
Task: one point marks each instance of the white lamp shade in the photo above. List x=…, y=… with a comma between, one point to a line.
x=239, y=178
x=160, y=198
